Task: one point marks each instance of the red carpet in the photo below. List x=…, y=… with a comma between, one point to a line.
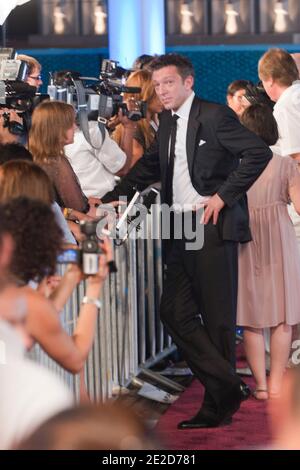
x=249, y=428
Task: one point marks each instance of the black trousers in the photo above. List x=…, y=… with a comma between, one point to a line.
x=198, y=308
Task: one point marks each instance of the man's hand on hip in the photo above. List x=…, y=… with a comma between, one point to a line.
x=212, y=209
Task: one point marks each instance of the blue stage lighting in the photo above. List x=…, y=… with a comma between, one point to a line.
x=135, y=27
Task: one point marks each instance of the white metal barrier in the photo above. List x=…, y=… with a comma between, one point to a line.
x=129, y=335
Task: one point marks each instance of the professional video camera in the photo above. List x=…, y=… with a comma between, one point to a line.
x=103, y=95
x=256, y=94
x=15, y=93
x=111, y=88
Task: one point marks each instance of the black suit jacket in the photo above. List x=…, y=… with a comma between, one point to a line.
x=223, y=157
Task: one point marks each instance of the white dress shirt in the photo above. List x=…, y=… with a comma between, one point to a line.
x=185, y=196
x=287, y=115
x=94, y=168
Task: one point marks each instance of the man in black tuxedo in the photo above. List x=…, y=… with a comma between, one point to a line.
x=202, y=156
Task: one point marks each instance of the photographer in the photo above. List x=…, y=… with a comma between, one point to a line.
x=235, y=93
x=96, y=166
x=38, y=241
x=96, y=162
x=136, y=137
x=29, y=394
x=21, y=84
x=25, y=179
x=280, y=77
x=33, y=76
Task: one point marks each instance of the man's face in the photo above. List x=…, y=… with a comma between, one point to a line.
x=171, y=88
x=237, y=102
x=34, y=79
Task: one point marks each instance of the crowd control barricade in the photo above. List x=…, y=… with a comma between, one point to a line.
x=129, y=336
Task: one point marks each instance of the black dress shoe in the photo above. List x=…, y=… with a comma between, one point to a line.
x=201, y=421
x=245, y=391
x=209, y=417
x=232, y=399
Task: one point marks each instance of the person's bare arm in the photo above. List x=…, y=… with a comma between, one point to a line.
x=128, y=143
x=75, y=229
x=67, y=284
x=137, y=152
x=44, y=326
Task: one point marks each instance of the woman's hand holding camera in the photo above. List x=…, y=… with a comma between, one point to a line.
x=75, y=274
x=104, y=259
x=94, y=282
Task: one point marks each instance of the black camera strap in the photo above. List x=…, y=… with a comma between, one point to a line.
x=83, y=115
x=102, y=121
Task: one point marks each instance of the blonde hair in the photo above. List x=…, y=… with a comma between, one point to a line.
x=279, y=65
x=21, y=178
x=30, y=61
x=141, y=79
x=50, y=121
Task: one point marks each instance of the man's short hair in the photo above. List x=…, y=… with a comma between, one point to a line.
x=237, y=85
x=31, y=62
x=61, y=77
x=184, y=65
x=278, y=65
x=14, y=152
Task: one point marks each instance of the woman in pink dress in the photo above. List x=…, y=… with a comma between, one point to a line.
x=269, y=266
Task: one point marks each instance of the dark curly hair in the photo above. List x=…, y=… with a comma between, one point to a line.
x=259, y=119
x=37, y=238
